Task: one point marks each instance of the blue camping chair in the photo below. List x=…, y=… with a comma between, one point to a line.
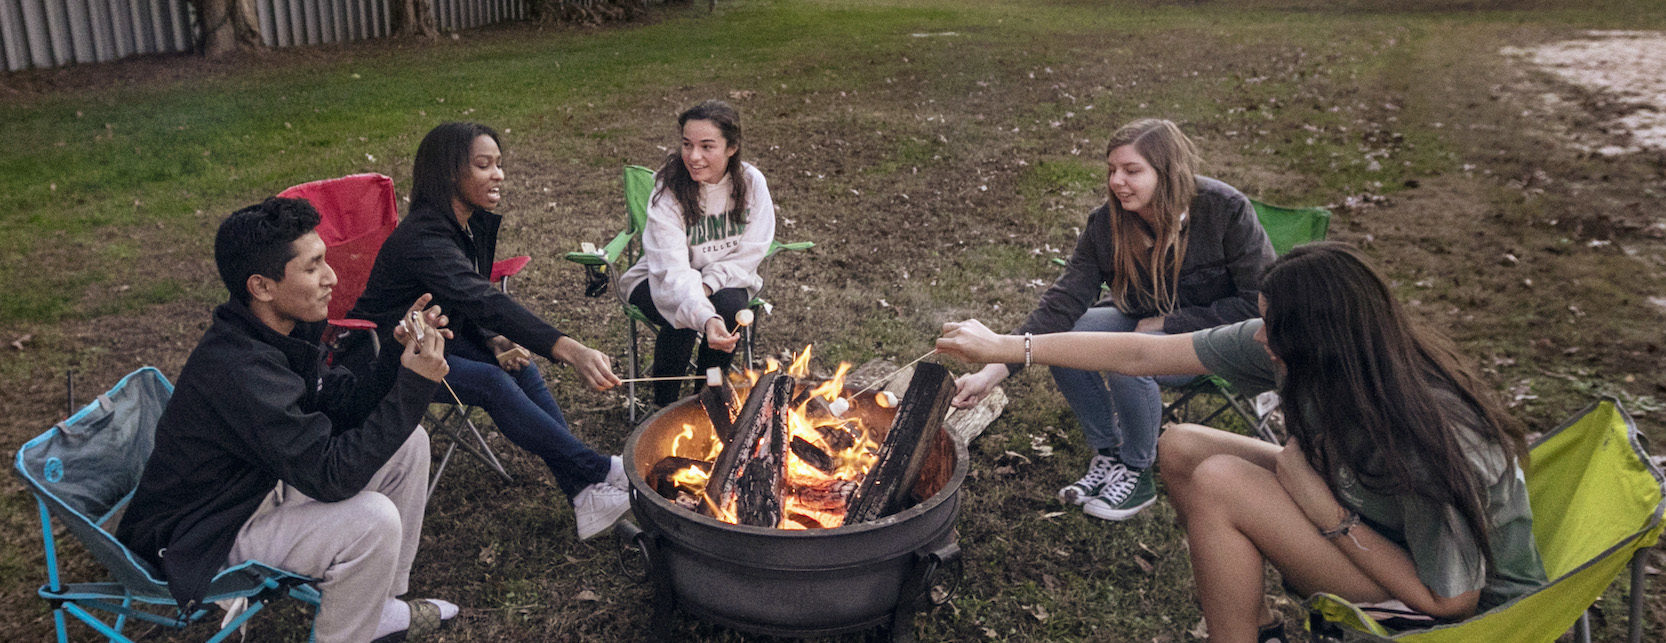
x=83, y=471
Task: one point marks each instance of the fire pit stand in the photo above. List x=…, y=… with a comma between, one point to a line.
x=873, y=576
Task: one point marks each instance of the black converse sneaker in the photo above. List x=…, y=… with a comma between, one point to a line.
x=1102, y=470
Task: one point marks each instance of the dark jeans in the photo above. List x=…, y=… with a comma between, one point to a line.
x=521, y=406
x=674, y=345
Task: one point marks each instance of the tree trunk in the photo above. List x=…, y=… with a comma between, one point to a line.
x=228, y=26
x=414, y=18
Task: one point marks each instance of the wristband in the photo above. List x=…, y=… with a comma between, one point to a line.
x=1343, y=528
x=1027, y=354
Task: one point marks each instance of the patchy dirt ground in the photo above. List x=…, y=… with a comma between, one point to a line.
x=1622, y=70
x=935, y=191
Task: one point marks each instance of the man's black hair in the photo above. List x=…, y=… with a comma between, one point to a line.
x=259, y=240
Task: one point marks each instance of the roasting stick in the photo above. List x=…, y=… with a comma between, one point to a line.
x=713, y=377
x=418, y=329
x=842, y=404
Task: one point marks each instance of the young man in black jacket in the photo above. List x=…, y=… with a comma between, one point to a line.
x=265, y=453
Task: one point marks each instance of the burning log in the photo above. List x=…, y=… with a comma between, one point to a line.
x=719, y=402
x=749, y=474
x=812, y=455
x=832, y=495
x=663, y=477
x=911, y=439
x=838, y=437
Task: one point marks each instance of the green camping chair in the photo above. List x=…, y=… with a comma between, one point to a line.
x=1205, y=398
x=82, y=472
x=604, y=265
x=1597, y=503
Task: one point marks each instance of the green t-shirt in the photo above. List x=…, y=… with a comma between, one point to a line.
x=1444, y=552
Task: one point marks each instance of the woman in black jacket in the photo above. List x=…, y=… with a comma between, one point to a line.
x=1174, y=252
x=446, y=246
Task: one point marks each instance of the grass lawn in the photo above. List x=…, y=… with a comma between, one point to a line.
x=939, y=153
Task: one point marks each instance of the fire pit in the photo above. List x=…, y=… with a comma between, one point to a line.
x=795, y=582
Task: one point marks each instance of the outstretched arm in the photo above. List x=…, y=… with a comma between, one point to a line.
x=1126, y=353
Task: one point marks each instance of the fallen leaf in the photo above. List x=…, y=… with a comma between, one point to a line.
x=1039, y=612
x=1199, y=631
x=1051, y=515
x=1145, y=565
x=586, y=595
x=19, y=342
x=1051, y=583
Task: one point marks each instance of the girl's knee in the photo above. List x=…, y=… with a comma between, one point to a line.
x=1223, y=477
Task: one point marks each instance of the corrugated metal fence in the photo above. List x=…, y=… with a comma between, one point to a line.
x=49, y=33
x=52, y=33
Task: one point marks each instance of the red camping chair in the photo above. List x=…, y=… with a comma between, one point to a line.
x=356, y=214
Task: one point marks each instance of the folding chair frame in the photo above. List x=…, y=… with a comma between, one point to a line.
x=1334, y=619
x=260, y=584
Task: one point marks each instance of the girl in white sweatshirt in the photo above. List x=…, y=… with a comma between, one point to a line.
x=710, y=222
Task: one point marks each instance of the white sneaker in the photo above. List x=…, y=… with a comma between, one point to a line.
x=616, y=474
x=598, y=507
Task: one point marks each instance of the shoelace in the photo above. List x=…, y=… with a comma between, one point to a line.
x=1102, y=470
x=1119, y=490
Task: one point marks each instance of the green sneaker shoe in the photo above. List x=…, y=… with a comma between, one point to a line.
x=1124, y=497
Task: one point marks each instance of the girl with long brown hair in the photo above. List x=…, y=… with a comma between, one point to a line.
x=1169, y=252
x=1402, y=481
x=710, y=223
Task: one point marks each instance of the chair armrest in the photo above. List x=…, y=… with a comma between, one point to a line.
x=609, y=254
x=353, y=324
x=508, y=267
x=798, y=246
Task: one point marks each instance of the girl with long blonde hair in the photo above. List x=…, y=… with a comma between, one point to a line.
x=1169, y=252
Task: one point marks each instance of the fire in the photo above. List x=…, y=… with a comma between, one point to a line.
x=816, y=492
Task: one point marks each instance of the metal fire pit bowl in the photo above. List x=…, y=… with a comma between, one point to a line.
x=778, y=582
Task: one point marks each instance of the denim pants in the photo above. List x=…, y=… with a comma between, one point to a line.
x=521, y=406
x=674, y=346
x=1115, y=411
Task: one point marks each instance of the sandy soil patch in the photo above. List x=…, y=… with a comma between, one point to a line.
x=1623, y=69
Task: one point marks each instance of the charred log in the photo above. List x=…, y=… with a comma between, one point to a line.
x=834, y=495
x=910, y=441
x=812, y=455
x=662, y=476
x=750, y=471
x=837, y=436
x=719, y=402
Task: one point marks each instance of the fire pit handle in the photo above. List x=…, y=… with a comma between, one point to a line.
x=631, y=538
x=943, y=570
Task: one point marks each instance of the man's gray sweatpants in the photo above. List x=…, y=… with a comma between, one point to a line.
x=360, y=548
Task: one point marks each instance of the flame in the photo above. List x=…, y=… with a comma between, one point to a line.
x=806, y=421
x=830, y=389
x=691, y=477
x=801, y=365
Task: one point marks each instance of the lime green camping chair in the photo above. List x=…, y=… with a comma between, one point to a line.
x=1597, y=502
x=1205, y=398
x=604, y=265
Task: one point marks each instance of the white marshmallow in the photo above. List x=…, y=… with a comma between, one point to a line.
x=714, y=376
x=886, y=399
x=839, y=406
x=744, y=317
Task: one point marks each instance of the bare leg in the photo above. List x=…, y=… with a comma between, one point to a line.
x=1239, y=516
x=1184, y=446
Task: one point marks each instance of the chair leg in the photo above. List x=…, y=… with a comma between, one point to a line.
x=1585, y=626
x=434, y=478
x=1639, y=582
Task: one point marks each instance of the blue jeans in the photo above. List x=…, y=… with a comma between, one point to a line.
x=521, y=406
x=1115, y=411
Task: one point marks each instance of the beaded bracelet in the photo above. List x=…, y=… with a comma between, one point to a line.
x=1342, y=528
x=1027, y=350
